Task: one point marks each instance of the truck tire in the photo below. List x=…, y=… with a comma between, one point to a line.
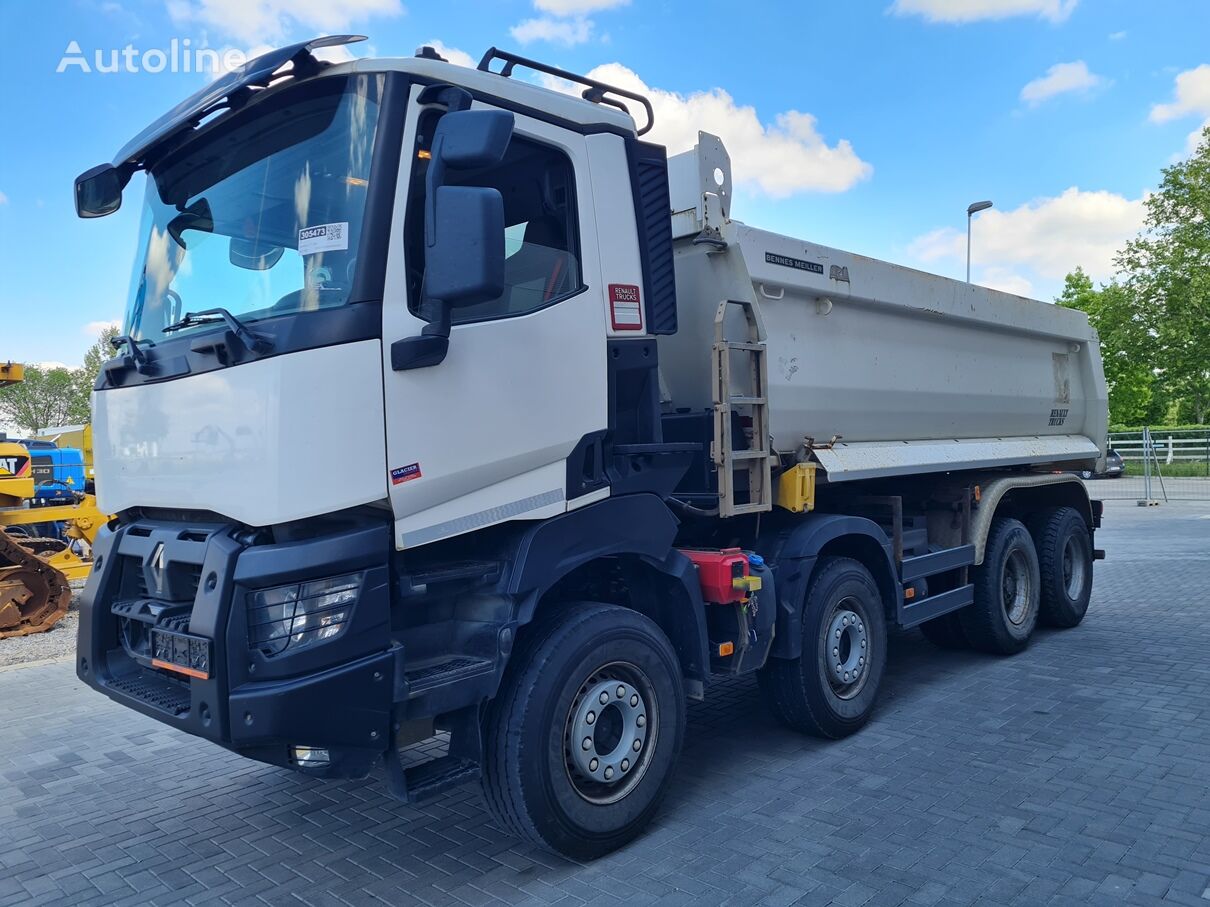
x=830, y=689
x=1007, y=591
x=945, y=632
x=581, y=740
x=1065, y=561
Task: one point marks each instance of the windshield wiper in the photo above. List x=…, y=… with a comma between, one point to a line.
x=254, y=342
x=137, y=357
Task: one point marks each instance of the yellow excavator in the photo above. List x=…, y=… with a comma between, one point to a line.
x=35, y=570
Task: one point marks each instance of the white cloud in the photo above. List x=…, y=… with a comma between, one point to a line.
x=271, y=21
x=779, y=158
x=1062, y=78
x=577, y=7
x=1194, y=139
x=563, y=22
x=1007, y=281
x=452, y=54
x=1117, y=36
x=568, y=32
x=1191, y=97
x=3, y=199
x=976, y=10
x=1047, y=237
x=93, y=328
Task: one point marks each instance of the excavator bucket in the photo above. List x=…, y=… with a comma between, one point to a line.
x=33, y=595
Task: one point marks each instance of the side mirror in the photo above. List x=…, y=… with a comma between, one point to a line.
x=463, y=140
x=463, y=266
x=463, y=229
x=465, y=263
x=99, y=191
x=467, y=139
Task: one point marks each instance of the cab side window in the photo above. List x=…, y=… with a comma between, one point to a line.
x=541, y=243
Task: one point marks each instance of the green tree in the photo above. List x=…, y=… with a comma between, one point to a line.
x=1127, y=346
x=1167, y=273
x=86, y=376
x=42, y=400
x=56, y=396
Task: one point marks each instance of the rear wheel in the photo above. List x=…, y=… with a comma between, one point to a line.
x=581, y=740
x=831, y=688
x=1065, y=562
x=1007, y=593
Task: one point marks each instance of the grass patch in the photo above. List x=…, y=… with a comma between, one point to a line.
x=1180, y=469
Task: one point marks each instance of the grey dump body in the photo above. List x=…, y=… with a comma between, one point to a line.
x=902, y=371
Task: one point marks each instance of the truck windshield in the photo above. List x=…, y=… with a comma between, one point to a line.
x=261, y=214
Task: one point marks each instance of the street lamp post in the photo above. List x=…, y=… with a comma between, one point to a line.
x=970, y=210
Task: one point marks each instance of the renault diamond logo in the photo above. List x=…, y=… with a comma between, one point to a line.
x=157, y=568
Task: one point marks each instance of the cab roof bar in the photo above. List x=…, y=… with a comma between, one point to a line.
x=229, y=91
x=596, y=92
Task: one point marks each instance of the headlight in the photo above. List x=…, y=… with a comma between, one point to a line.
x=306, y=614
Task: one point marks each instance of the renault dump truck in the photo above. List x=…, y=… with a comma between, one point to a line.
x=605, y=444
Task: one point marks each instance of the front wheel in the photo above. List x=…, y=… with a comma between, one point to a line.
x=581, y=741
x=830, y=689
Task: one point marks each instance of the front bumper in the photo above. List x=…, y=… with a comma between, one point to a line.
x=193, y=577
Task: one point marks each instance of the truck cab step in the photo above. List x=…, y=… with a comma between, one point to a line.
x=428, y=779
x=427, y=676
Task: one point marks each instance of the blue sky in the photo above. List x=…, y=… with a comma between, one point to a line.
x=864, y=125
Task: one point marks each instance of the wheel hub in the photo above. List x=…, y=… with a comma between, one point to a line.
x=607, y=734
x=848, y=648
x=1073, y=569
x=1015, y=588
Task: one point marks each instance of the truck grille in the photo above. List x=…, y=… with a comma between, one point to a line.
x=138, y=610
x=180, y=583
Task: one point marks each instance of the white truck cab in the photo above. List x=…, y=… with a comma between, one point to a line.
x=436, y=409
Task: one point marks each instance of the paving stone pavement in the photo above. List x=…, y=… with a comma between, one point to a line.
x=1077, y=771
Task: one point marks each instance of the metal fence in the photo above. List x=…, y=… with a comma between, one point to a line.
x=1159, y=465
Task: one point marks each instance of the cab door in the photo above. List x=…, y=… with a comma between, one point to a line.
x=484, y=436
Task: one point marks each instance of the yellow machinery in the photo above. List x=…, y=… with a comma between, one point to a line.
x=34, y=572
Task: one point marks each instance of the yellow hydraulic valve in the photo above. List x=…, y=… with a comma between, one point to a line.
x=796, y=488
x=746, y=584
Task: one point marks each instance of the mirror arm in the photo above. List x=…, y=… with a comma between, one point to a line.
x=433, y=178
x=429, y=347
x=440, y=326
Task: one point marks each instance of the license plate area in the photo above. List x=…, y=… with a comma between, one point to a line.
x=182, y=653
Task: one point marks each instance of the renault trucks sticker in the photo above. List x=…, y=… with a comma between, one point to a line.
x=625, y=311
x=324, y=238
x=401, y=474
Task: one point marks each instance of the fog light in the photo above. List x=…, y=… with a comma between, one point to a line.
x=309, y=757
